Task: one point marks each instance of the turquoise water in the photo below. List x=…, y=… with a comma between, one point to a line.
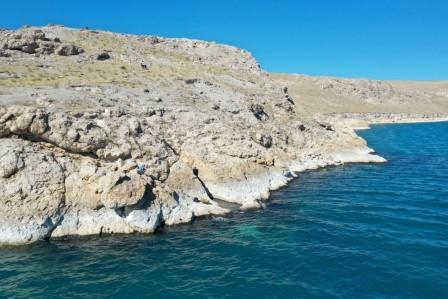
x=355, y=231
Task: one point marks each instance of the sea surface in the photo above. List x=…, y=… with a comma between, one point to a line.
x=353, y=231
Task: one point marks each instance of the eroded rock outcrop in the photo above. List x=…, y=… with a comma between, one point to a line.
x=34, y=41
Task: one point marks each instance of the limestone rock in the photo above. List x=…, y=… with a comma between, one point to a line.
x=29, y=41
x=31, y=192
x=122, y=190
x=35, y=41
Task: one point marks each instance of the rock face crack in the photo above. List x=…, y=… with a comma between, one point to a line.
x=34, y=138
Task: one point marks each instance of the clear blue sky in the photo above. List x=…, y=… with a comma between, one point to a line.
x=380, y=39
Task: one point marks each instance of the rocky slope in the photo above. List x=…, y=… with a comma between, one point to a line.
x=360, y=102
x=112, y=133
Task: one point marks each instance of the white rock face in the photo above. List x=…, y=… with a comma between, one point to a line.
x=154, y=135
x=32, y=191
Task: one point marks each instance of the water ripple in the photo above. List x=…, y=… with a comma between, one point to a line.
x=357, y=231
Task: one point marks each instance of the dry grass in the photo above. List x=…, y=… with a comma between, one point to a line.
x=164, y=66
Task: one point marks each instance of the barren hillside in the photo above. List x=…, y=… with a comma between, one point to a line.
x=338, y=95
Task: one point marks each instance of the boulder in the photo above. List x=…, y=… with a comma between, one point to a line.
x=68, y=50
x=258, y=112
x=264, y=140
x=103, y=56
x=3, y=53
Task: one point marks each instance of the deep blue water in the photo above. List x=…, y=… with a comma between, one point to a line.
x=355, y=231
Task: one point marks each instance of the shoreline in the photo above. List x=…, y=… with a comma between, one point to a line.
x=365, y=123
x=249, y=194
x=257, y=190
x=275, y=179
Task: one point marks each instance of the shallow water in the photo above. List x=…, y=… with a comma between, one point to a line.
x=356, y=231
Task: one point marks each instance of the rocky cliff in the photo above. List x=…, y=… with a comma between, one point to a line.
x=112, y=133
